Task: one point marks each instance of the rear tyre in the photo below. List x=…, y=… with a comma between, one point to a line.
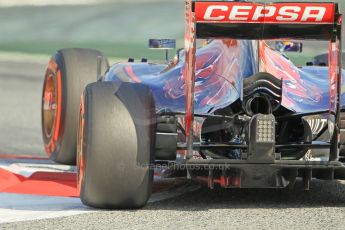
x=116, y=145
x=68, y=72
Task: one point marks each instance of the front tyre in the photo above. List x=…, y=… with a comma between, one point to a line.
x=116, y=145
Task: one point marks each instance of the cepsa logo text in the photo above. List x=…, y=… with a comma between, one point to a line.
x=231, y=12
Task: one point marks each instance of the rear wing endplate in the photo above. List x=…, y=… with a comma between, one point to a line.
x=258, y=21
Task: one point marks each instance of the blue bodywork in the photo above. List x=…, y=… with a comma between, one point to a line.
x=221, y=67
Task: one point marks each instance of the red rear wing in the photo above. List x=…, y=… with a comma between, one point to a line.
x=258, y=21
x=242, y=12
x=245, y=20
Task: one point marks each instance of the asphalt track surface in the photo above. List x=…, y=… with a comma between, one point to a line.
x=321, y=207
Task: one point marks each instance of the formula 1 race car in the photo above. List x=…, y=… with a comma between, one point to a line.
x=233, y=113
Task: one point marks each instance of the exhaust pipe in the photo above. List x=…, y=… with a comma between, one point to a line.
x=258, y=104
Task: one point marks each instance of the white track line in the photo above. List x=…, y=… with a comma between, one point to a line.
x=18, y=207
x=15, y=208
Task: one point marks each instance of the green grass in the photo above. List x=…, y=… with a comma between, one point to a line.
x=106, y=23
x=118, y=29
x=301, y=59
x=119, y=50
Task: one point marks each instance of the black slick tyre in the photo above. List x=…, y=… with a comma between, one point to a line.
x=116, y=145
x=67, y=74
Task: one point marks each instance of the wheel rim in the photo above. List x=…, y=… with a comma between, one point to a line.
x=49, y=106
x=80, y=155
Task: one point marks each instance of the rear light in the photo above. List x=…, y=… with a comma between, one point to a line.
x=265, y=127
x=261, y=146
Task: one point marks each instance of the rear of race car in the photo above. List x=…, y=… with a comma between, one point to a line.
x=261, y=159
x=126, y=130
